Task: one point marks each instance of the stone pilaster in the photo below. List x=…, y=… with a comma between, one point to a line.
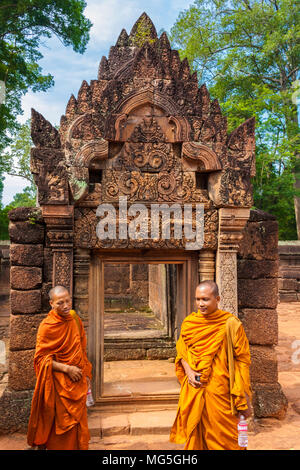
x=231, y=223
x=59, y=230
x=81, y=283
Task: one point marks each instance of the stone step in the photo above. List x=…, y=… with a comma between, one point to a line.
x=138, y=423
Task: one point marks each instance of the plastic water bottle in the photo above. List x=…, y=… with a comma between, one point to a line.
x=242, y=432
x=89, y=397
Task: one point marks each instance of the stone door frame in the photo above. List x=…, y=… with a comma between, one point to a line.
x=187, y=279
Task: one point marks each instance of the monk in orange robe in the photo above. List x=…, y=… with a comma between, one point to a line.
x=212, y=366
x=58, y=419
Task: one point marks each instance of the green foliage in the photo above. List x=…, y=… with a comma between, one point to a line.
x=23, y=26
x=25, y=199
x=248, y=53
x=16, y=162
x=142, y=32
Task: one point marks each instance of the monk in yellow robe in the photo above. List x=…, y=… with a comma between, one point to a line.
x=58, y=419
x=212, y=366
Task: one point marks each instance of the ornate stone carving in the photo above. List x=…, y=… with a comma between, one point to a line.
x=59, y=237
x=227, y=280
x=63, y=269
x=231, y=224
x=201, y=155
x=47, y=166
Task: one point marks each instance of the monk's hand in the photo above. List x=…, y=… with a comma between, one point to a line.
x=74, y=373
x=191, y=375
x=248, y=411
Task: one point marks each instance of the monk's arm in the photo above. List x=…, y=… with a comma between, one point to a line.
x=242, y=358
x=73, y=372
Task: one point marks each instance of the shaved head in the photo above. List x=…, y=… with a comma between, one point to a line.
x=57, y=290
x=212, y=284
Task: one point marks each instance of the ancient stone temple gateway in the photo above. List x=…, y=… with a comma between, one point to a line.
x=143, y=129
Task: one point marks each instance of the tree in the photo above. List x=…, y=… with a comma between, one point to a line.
x=23, y=26
x=248, y=53
x=16, y=162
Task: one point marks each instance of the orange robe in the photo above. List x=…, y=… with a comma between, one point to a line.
x=58, y=416
x=207, y=417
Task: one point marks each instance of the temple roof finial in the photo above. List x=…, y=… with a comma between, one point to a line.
x=143, y=30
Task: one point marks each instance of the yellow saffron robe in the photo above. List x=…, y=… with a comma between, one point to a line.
x=216, y=346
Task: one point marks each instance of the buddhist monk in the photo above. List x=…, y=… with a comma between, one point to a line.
x=58, y=419
x=212, y=366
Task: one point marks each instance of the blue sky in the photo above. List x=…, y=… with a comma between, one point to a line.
x=69, y=69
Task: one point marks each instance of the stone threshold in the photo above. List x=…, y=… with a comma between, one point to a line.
x=136, y=423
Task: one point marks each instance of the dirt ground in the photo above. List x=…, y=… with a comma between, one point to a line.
x=267, y=434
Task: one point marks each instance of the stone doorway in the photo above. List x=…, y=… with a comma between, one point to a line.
x=132, y=345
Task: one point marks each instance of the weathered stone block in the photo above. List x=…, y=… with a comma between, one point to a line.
x=22, y=277
x=15, y=411
x=257, y=293
x=260, y=325
x=161, y=353
x=81, y=285
x=289, y=272
x=21, y=374
x=26, y=255
x=23, y=331
x=288, y=296
x=23, y=214
x=258, y=215
x=269, y=401
x=48, y=265
x=26, y=232
x=46, y=307
x=139, y=272
x=254, y=269
x=124, y=354
x=260, y=241
x=117, y=279
x=25, y=301
x=263, y=368
x=82, y=307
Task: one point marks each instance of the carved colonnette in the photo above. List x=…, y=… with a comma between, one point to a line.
x=231, y=224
